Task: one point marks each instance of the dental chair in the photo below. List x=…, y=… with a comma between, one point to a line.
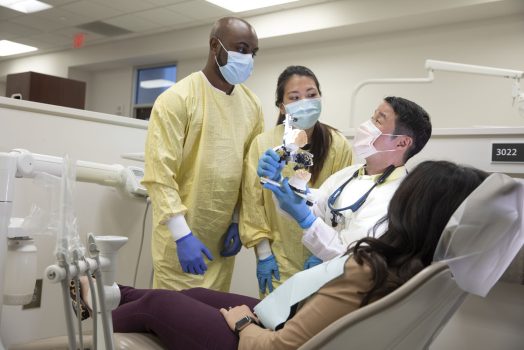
x=479, y=242
x=409, y=318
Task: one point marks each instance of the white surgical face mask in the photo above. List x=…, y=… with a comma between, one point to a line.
x=304, y=113
x=367, y=134
x=238, y=68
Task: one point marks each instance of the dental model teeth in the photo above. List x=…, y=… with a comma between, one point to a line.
x=296, y=137
x=300, y=179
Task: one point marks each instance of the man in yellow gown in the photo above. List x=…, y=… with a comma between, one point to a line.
x=199, y=132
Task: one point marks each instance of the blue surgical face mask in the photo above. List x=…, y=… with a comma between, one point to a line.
x=304, y=113
x=238, y=68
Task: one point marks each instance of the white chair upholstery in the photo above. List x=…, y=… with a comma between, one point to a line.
x=409, y=318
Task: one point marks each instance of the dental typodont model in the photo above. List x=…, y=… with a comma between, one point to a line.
x=291, y=151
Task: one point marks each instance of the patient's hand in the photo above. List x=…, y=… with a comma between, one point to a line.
x=233, y=314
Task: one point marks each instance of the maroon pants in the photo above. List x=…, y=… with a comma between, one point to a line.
x=188, y=319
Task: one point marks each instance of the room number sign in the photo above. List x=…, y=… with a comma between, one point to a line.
x=507, y=152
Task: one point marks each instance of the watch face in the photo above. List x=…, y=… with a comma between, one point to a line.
x=244, y=321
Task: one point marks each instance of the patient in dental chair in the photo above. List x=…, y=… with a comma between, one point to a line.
x=205, y=319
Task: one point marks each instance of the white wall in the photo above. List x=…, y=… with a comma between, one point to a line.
x=2, y=89
x=453, y=99
x=111, y=91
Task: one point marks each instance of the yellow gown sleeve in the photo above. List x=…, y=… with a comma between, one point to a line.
x=163, y=154
x=333, y=301
x=253, y=225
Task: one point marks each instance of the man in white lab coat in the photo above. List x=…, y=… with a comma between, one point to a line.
x=352, y=201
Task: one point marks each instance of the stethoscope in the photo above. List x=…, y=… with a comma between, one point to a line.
x=336, y=216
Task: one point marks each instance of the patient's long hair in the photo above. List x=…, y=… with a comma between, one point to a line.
x=417, y=214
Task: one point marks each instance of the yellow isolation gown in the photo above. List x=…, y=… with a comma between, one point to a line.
x=197, y=139
x=261, y=218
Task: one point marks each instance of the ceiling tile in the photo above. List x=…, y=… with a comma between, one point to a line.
x=167, y=2
x=40, y=23
x=58, y=40
x=126, y=5
x=91, y=10
x=62, y=16
x=199, y=9
x=133, y=23
x=164, y=17
x=18, y=30
x=6, y=13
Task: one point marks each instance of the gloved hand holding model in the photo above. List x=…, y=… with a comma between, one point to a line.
x=292, y=204
x=270, y=165
x=266, y=268
x=189, y=250
x=312, y=261
x=232, y=243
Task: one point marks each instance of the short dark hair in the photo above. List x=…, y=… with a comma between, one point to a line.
x=411, y=120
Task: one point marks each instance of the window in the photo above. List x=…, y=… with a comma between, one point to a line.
x=149, y=83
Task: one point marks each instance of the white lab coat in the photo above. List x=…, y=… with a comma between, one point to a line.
x=327, y=242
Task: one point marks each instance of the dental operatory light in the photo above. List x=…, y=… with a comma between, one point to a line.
x=433, y=65
x=246, y=5
x=8, y=48
x=25, y=6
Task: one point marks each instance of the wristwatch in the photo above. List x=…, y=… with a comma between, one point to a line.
x=243, y=323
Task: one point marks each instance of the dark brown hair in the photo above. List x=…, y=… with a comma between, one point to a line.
x=417, y=214
x=321, y=138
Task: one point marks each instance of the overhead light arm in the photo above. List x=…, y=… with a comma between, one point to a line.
x=433, y=65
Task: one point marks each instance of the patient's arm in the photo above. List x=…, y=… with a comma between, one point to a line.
x=336, y=299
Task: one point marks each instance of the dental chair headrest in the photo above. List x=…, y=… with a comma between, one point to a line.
x=484, y=234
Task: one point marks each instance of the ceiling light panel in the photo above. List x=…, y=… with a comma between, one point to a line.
x=25, y=6
x=8, y=48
